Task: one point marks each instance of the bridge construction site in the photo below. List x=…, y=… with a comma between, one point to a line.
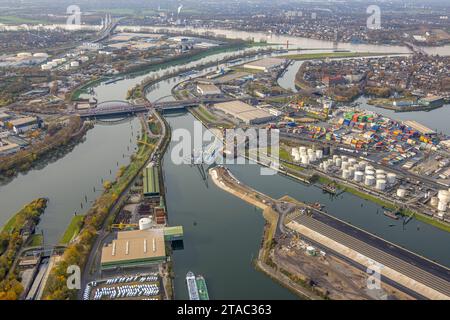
x=402, y=272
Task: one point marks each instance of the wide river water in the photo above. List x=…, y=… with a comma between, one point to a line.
x=222, y=233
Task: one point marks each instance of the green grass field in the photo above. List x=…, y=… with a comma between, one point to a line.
x=72, y=230
x=19, y=20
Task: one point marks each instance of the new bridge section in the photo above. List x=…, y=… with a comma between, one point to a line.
x=399, y=265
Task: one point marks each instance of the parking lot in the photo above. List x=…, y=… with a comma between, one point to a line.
x=131, y=287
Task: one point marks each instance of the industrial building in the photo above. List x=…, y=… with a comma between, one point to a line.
x=244, y=112
x=432, y=101
x=25, y=124
x=208, y=89
x=9, y=148
x=134, y=248
x=265, y=65
x=151, y=181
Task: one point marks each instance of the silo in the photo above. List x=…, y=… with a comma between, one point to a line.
x=369, y=181
x=359, y=176
x=381, y=184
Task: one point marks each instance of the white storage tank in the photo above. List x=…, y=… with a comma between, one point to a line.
x=145, y=223
x=345, y=174
x=401, y=192
x=319, y=154
x=369, y=181
x=381, y=177
x=351, y=170
x=434, y=202
x=369, y=168
x=444, y=196
x=381, y=185
x=338, y=163
x=363, y=165
x=312, y=157
x=359, y=176
x=345, y=165
x=302, y=150
x=294, y=151
x=352, y=161
x=379, y=171
x=391, y=178
x=370, y=172
x=297, y=157
x=335, y=157
x=442, y=206
x=305, y=159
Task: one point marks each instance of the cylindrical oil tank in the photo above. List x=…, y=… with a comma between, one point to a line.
x=145, y=223
x=369, y=181
x=381, y=184
x=351, y=170
x=344, y=158
x=345, y=165
x=295, y=151
x=357, y=167
x=335, y=157
x=359, y=176
x=302, y=149
x=442, y=206
x=312, y=157
x=444, y=196
x=434, y=201
x=391, y=178
x=326, y=151
x=381, y=177
x=338, y=163
x=370, y=172
x=297, y=157
x=369, y=168
x=363, y=165
x=305, y=159
x=401, y=192
x=319, y=154
x=345, y=174
x=352, y=161
x=379, y=171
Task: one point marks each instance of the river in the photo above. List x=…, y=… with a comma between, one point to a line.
x=222, y=233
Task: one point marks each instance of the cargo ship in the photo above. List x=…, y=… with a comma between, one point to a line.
x=201, y=288
x=192, y=286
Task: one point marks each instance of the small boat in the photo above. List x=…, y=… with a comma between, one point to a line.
x=390, y=214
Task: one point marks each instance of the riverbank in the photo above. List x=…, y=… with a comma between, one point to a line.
x=96, y=219
x=331, y=55
x=14, y=235
x=23, y=160
x=263, y=262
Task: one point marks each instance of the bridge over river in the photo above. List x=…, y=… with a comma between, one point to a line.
x=120, y=108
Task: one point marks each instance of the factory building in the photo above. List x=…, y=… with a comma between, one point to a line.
x=245, y=112
x=208, y=89
x=22, y=125
x=9, y=148
x=151, y=181
x=432, y=101
x=265, y=65
x=134, y=248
